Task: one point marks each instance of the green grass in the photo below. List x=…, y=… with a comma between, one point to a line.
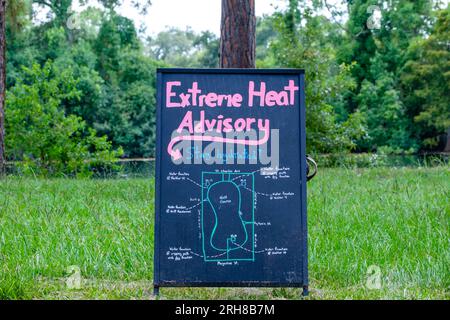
x=396, y=219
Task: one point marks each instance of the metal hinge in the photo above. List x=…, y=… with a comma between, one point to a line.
x=308, y=161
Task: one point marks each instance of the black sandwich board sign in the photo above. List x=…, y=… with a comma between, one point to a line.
x=230, y=178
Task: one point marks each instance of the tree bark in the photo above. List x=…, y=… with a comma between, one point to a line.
x=2, y=83
x=238, y=34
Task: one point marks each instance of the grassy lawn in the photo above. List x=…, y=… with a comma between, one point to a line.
x=397, y=220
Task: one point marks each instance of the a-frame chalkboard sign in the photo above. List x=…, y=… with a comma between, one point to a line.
x=230, y=179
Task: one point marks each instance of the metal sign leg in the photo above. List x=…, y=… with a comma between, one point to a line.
x=305, y=291
x=156, y=291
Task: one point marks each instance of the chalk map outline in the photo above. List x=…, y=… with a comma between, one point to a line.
x=223, y=255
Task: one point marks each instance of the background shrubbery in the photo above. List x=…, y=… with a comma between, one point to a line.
x=42, y=136
x=87, y=93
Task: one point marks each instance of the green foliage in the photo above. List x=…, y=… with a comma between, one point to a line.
x=185, y=48
x=123, y=108
x=388, y=72
x=116, y=34
x=360, y=46
x=16, y=14
x=402, y=21
x=136, y=104
x=307, y=46
x=425, y=81
x=127, y=113
x=42, y=136
x=59, y=8
x=265, y=33
x=381, y=106
x=115, y=80
x=367, y=89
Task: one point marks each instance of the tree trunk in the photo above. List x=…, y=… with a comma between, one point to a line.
x=238, y=34
x=2, y=83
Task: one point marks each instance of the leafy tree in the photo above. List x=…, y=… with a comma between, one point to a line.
x=402, y=21
x=185, y=48
x=60, y=10
x=378, y=56
x=266, y=32
x=367, y=89
x=42, y=136
x=16, y=15
x=303, y=43
x=114, y=79
x=381, y=107
x=207, y=50
x=124, y=109
x=425, y=82
x=173, y=46
x=116, y=33
x=11, y=21
x=359, y=47
x=83, y=62
x=133, y=122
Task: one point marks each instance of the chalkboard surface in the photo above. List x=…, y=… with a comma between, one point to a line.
x=230, y=178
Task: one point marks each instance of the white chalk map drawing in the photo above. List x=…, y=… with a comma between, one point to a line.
x=229, y=229
x=228, y=216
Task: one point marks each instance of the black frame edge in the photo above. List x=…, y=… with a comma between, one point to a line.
x=230, y=71
x=302, y=144
x=304, y=208
x=156, y=227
